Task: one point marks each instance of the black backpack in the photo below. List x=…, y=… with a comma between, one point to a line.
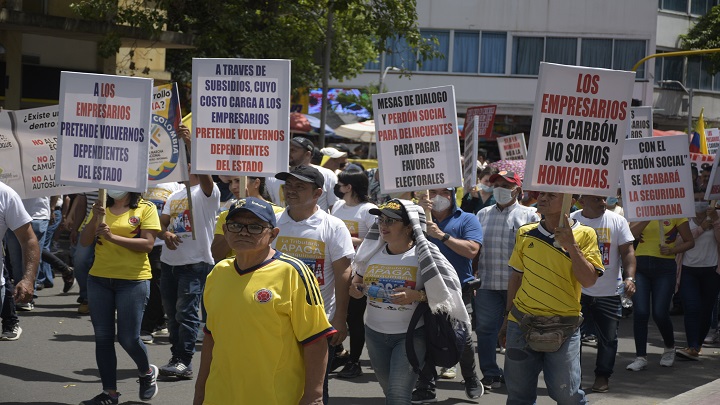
x=445, y=338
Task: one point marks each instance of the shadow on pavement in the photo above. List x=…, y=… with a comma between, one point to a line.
x=27, y=374
x=73, y=338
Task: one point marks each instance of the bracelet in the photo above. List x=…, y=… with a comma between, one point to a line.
x=423, y=296
x=631, y=279
x=445, y=237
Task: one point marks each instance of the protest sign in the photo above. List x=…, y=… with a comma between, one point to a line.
x=712, y=137
x=104, y=128
x=641, y=122
x=576, y=135
x=712, y=191
x=168, y=160
x=418, y=146
x=512, y=147
x=470, y=156
x=656, y=179
x=241, y=116
x=10, y=167
x=486, y=119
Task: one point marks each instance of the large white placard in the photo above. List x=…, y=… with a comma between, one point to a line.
x=241, y=116
x=418, y=145
x=512, y=147
x=104, y=128
x=576, y=138
x=10, y=166
x=712, y=191
x=656, y=180
x=641, y=123
x=712, y=137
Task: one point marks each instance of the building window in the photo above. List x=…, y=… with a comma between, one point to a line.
x=527, y=55
x=401, y=55
x=627, y=53
x=466, y=48
x=696, y=7
x=674, y=5
x=493, y=52
x=439, y=64
x=373, y=64
x=596, y=53
x=561, y=50
x=669, y=69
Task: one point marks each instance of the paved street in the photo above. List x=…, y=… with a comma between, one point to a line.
x=54, y=363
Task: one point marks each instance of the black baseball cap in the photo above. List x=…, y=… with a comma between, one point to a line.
x=307, y=174
x=260, y=208
x=392, y=209
x=304, y=143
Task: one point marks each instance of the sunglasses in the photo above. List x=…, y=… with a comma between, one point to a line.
x=253, y=229
x=386, y=221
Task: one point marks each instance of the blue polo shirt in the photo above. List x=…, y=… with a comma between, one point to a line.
x=460, y=225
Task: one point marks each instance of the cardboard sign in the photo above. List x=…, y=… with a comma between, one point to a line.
x=641, y=123
x=656, y=180
x=512, y=147
x=418, y=146
x=712, y=137
x=241, y=116
x=104, y=130
x=576, y=138
x=168, y=159
x=486, y=116
x=470, y=156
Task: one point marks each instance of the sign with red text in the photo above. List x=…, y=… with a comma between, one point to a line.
x=486, y=119
x=104, y=128
x=712, y=137
x=656, y=179
x=512, y=147
x=241, y=116
x=641, y=123
x=577, y=134
x=712, y=191
x=10, y=166
x=418, y=146
x=167, y=161
x=470, y=155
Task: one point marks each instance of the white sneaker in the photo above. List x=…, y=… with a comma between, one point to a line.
x=668, y=357
x=640, y=363
x=448, y=373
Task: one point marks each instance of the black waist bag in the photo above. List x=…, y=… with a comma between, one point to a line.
x=444, y=336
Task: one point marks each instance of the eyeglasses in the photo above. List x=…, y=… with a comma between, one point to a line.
x=386, y=221
x=253, y=229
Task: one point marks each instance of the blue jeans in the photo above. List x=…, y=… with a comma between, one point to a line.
x=489, y=315
x=391, y=365
x=127, y=297
x=561, y=370
x=603, y=315
x=45, y=275
x=655, y=277
x=15, y=255
x=181, y=289
x=83, y=259
x=699, y=290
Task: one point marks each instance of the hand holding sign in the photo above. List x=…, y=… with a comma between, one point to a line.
x=564, y=234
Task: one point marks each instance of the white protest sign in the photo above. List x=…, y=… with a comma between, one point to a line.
x=10, y=167
x=656, y=179
x=712, y=137
x=167, y=161
x=470, y=156
x=576, y=138
x=641, y=123
x=36, y=133
x=418, y=145
x=512, y=147
x=241, y=116
x=104, y=130
x=712, y=191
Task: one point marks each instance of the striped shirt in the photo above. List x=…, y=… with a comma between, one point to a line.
x=499, y=227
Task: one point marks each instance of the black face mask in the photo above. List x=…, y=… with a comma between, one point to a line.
x=337, y=192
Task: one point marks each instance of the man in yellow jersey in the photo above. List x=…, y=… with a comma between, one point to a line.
x=266, y=332
x=551, y=265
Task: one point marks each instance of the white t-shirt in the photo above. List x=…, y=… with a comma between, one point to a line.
x=157, y=195
x=357, y=218
x=612, y=231
x=275, y=189
x=704, y=254
x=317, y=241
x=37, y=208
x=391, y=271
x=203, y=213
x=12, y=217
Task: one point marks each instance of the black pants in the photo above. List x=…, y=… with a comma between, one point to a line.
x=8, y=315
x=154, y=316
x=356, y=327
x=54, y=261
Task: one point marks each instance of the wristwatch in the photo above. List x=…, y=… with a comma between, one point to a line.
x=631, y=279
x=445, y=237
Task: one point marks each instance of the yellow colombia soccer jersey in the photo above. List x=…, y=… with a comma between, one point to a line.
x=114, y=261
x=649, y=244
x=549, y=286
x=222, y=218
x=259, y=318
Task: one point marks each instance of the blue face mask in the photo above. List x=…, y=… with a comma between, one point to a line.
x=612, y=200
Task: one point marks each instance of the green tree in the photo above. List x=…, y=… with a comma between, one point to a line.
x=705, y=34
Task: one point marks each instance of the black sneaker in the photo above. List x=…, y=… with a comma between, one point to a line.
x=12, y=332
x=339, y=360
x=421, y=396
x=102, y=399
x=176, y=368
x=492, y=383
x=68, y=279
x=146, y=337
x=473, y=388
x=148, y=384
x=352, y=369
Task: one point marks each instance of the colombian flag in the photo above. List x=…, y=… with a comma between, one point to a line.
x=698, y=143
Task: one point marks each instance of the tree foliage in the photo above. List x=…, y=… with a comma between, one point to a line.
x=705, y=34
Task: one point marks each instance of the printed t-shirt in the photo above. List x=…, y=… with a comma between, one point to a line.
x=613, y=231
x=203, y=213
x=705, y=253
x=357, y=218
x=12, y=217
x=549, y=286
x=388, y=272
x=157, y=195
x=114, y=261
x=649, y=244
x=222, y=218
x=276, y=189
x=317, y=241
x=261, y=317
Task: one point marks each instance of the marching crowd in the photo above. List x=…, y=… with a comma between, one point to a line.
x=281, y=277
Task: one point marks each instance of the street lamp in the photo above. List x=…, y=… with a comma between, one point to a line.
x=690, y=98
x=384, y=73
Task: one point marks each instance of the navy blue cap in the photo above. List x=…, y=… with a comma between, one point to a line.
x=304, y=173
x=260, y=208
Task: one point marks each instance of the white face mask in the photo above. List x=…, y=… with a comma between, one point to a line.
x=502, y=195
x=116, y=194
x=486, y=189
x=440, y=203
x=701, y=206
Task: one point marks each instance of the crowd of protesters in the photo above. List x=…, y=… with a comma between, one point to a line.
x=335, y=258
